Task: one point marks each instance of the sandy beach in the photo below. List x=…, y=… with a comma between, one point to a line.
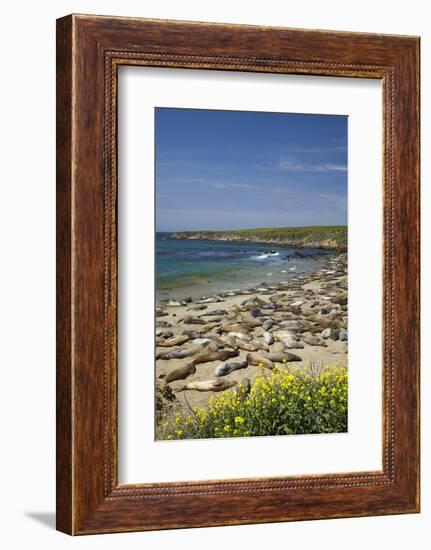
x=218, y=341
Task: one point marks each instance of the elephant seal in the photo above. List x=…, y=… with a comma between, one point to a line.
x=280, y=335
x=294, y=324
x=212, y=300
x=208, y=328
x=251, y=346
x=227, y=368
x=231, y=342
x=284, y=356
x=343, y=335
x=193, y=334
x=268, y=337
x=231, y=327
x=214, y=313
x=161, y=313
x=329, y=333
x=314, y=341
x=262, y=345
x=174, y=303
x=220, y=343
x=266, y=325
x=258, y=359
x=251, y=323
x=180, y=373
x=189, y=352
x=201, y=341
x=162, y=333
x=251, y=303
x=162, y=324
x=241, y=336
x=214, y=356
x=277, y=346
x=246, y=346
x=191, y=320
x=240, y=326
x=209, y=385
x=233, y=309
x=256, y=312
x=174, y=341
x=292, y=342
x=197, y=308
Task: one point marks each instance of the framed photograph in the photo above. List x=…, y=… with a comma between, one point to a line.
x=237, y=274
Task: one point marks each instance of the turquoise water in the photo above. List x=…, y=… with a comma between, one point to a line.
x=196, y=268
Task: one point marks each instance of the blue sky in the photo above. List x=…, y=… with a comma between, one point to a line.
x=220, y=170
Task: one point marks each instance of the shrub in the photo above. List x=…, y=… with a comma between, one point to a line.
x=280, y=402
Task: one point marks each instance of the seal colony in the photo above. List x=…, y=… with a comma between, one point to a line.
x=213, y=343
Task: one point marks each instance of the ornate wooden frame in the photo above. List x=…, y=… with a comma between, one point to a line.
x=89, y=51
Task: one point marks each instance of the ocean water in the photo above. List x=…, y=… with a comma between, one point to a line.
x=201, y=268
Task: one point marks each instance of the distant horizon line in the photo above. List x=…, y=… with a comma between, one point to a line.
x=248, y=228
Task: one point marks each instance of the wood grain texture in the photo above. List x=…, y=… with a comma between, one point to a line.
x=90, y=49
x=64, y=497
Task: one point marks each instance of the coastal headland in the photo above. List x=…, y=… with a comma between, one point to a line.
x=324, y=237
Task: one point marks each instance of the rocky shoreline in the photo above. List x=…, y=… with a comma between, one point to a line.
x=211, y=344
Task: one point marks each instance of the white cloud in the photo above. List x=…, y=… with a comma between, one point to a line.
x=230, y=185
x=330, y=167
x=206, y=182
x=290, y=165
x=320, y=149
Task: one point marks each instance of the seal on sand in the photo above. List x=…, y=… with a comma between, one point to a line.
x=193, y=334
x=240, y=344
x=209, y=385
x=241, y=336
x=314, y=341
x=284, y=356
x=226, y=368
x=190, y=320
x=214, y=356
x=258, y=359
x=268, y=337
x=292, y=342
x=189, y=352
x=175, y=341
x=180, y=373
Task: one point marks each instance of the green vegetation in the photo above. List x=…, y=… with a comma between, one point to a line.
x=286, y=401
x=320, y=231
x=331, y=236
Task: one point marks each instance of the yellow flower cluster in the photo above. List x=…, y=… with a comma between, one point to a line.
x=285, y=400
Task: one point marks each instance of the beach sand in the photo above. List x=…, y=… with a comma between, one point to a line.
x=303, y=307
